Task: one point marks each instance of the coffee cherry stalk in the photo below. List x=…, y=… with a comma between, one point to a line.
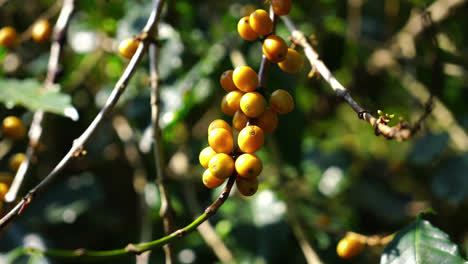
x=253, y=115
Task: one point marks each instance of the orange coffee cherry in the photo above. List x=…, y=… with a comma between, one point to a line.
x=226, y=81
x=250, y=139
x=41, y=30
x=219, y=123
x=245, y=78
x=15, y=161
x=281, y=101
x=292, y=63
x=205, y=156
x=233, y=99
x=248, y=166
x=225, y=107
x=247, y=187
x=281, y=7
x=260, y=22
x=275, y=48
x=128, y=47
x=8, y=37
x=244, y=29
x=239, y=121
x=221, y=140
x=13, y=128
x=3, y=190
x=349, y=247
x=210, y=181
x=253, y=104
x=221, y=166
x=268, y=121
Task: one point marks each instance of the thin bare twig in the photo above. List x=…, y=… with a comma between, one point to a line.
x=54, y=68
x=80, y=143
x=166, y=211
x=402, y=131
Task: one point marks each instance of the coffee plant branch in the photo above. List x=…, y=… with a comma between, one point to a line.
x=53, y=71
x=81, y=142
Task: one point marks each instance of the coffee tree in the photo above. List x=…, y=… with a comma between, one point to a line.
x=233, y=132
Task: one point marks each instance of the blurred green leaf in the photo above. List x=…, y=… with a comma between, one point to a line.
x=450, y=181
x=28, y=93
x=427, y=148
x=421, y=242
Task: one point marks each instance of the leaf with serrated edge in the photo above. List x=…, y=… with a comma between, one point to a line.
x=421, y=243
x=28, y=93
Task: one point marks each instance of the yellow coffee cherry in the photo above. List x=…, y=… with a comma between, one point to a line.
x=281, y=102
x=239, y=121
x=8, y=37
x=41, y=30
x=15, y=161
x=219, y=123
x=247, y=186
x=244, y=29
x=221, y=166
x=210, y=181
x=221, y=140
x=205, y=156
x=250, y=139
x=225, y=107
x=253, y=104
x=226, y=81
x=128, y=47
x=275, y=48
x=245, y=78
x=268, y=121
x=292, y=63
x=261, y=22
x=233, y=99
x=13, y=128
x=248, y=166
x=349, y=247
x=3, y=190
x=281, y=7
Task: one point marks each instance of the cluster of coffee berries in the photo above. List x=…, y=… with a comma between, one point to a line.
x=40, y=32
x=252, y=114
x=350, y=246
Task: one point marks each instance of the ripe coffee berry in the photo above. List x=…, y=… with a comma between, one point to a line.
x=13, y=128
x=253, y=104
x=210, y=181
x=275, y=48
x=41, y=30
x=225, y=107
x=248, y=166
x=205, y=156
x=349, y=247
x=250, y=139
x=15, y=161
x=281, y=7
x=245, y=78
x=260, y=22
x=268, y=121
x=221, y=140
x=281, y=101
x=239, y=121
x=233, y=99
x=292, y=63
x=3, y=190
x=247, y=186
x=128, y=47
x=244, y=29
x=226, y=81
x=8, y=37
x=219, y=123
x=221, y=166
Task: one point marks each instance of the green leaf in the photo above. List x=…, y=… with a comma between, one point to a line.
x=421, y=243
x=28, y=93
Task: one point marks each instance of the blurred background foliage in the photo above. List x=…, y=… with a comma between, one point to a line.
x=324, y=169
